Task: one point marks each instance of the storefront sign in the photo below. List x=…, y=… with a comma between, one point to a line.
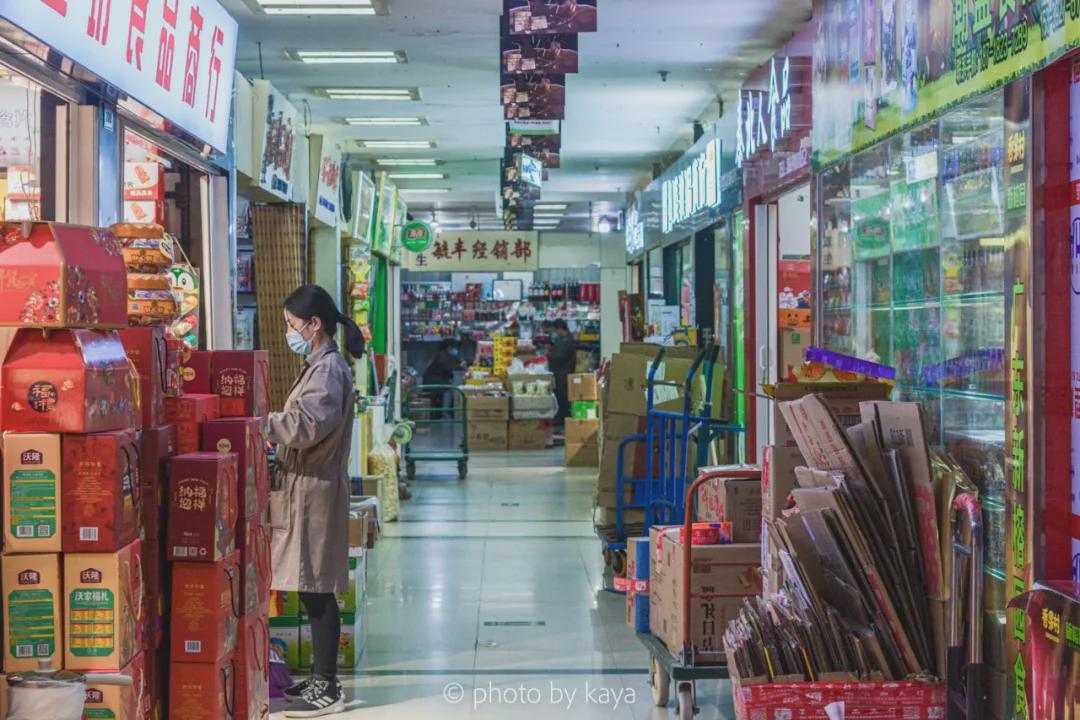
x=479, y=252
x=175, y=56
x=694, y=186
x=635, y=231
x=1051, y=617
x=416, y=237
x=384, y=217
x=278, y=142
x=328, y=192
x=764, y=115
x=889, y=65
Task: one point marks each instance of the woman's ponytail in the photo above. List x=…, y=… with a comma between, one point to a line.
x=310, y=301
x=355, y=342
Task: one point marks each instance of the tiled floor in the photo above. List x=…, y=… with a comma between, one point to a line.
x=486, y=601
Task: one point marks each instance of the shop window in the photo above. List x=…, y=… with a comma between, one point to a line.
x=30, y=120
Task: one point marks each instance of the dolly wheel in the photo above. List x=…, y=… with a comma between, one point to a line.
x=661, y=683
x=685, y=702
x=410, y=470
x=607, y=557
x=618, y=562
x=462, y=470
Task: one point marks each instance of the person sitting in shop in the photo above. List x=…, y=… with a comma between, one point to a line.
x=562, y=361
x=309, y=499
x=446, y=362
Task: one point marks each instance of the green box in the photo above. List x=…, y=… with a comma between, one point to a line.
x=349, y=649
x=284, y=604
x=584, y=410
x=349, y=601
x=285, y=638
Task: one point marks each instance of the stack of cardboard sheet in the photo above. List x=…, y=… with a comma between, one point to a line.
x=864, y=591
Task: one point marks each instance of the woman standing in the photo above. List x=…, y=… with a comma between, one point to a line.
x=309, y=507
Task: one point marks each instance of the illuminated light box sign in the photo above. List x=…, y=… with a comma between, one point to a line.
x=693, y=186
x=177, y=57
x=765, y=116
x=547, y=54
x=635, y=231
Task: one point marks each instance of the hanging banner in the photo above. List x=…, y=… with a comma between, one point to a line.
x=542, y=54
x=544, y=148
x=328, y=187
x=386, y=206
x=277, y=139
x=479, y=251
x=534, y=128
x=547, y=17
x=177, y=57
x=537, y=97
x=887, y=65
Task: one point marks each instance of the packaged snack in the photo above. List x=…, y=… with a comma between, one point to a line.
x=151, y=307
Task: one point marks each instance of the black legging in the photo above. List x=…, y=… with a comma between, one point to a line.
x=322, y=609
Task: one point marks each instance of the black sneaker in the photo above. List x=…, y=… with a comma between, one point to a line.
x=321, y=697
x=296, y=690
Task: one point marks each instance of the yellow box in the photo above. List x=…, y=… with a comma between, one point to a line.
x=32, y=503
x=103, y=609
x=31, y=604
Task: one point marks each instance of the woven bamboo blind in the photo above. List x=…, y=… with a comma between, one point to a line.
x=279, y=233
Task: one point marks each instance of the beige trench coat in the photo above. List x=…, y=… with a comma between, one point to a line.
x=309, y=515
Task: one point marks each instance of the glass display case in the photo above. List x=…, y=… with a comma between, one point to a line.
x=912, y=275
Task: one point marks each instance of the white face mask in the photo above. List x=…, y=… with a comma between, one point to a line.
x=297, y=342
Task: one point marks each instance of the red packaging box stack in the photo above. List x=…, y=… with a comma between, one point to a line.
x=196, y=374
x=186, y=414
x=242, y=379
x=102, y=491
x=253, y=668
x=206, y=610
x=202, y=506
x=148, y=350
x=242, y=437
x=203, y=691
x=156, y=446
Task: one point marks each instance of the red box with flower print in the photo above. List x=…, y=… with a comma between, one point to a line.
x=242, y=379
x=68, y=381
x=148, y=350
x=61, y=276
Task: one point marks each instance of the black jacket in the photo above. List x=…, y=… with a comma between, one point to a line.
x=562, y=357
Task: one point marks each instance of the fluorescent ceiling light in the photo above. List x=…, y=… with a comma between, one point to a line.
x=554, y=206
x=347, y=57
x=370, y=93
x=417, y=176
x=318, y=7
x=547, y=215
x=406, y=162
x=423, y=190
x=397, y=144
x=374, y=121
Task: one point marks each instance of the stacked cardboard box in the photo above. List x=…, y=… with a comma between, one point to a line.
x=488, y=415
x=532, y=408
x=637, y=590
x=583, y=433
x=73, y=590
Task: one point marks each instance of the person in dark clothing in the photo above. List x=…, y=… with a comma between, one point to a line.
x=441, y=371
x=562, y=361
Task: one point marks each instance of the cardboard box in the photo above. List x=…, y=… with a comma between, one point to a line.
x=625, y=392
x=793, y=344
x=33, y=510
x=147, y=349
x=186, y=414
x=585, y=410
x=73, y=381
x=736, y=500
x=196, y=373
x=62, y=276
x=103, y=610
x=202, y=507
x=582, y=455
x=842, y=399
x=253, y=544
x=583, y=432
x=32, y=602
x=156, y=446
x=533, y=407
x=488, y=409
x=243, y=437
x=102, y=492
x=285, y=639
x=284, y=604
x=528, y=434
x=582, y=386
x=242, y=379
x=722, y=574
x=120, y=702
x=206, y=610
x=202, y=691
x=156, y=581
x=637, y=575
x=349, y=648
x=253, y=669
x=487, y=435
x=353, y=600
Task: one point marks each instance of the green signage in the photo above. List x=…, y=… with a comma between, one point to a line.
x=881, y=66
x=416, y=237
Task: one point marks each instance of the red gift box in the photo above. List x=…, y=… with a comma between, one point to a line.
x=201, y=522
x=202, y=691
x=196, y=373
x=61, y=276
x=253, y=669
x=148, y=351
x=242, y=379
x=155, y=581
x=206, y=610
x=156, y=446
x=71, y=381
x=186, y=413
x=253, y=543
x=243, y=437
x=102, y=491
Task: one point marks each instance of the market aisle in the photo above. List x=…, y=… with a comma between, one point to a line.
x=489, y=591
